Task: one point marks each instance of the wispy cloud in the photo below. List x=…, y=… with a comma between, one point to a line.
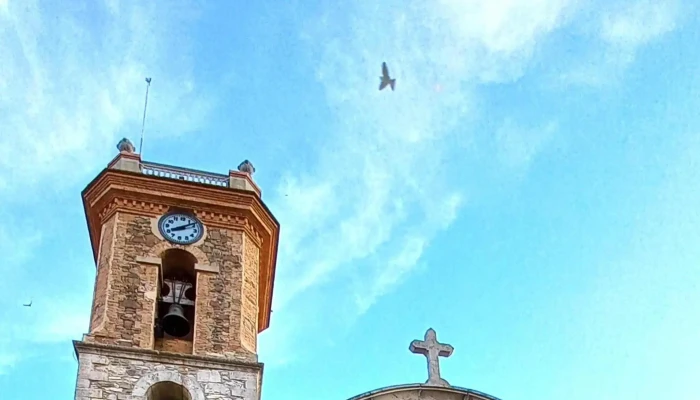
x=73, y=83
x=619, y=31
x=636, y=24
x=17, y=247
x=517, y=145
x=363, y=215
x=59, y=310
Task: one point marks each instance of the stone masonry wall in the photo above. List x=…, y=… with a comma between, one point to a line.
x=110, y=377
x=131, y=287
x=97, y=318
x=226, y=306
x=249, y=297
x=218, y=304
x=173, y=345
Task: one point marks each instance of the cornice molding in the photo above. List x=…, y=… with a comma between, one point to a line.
x=418, y=388
x=138, y=354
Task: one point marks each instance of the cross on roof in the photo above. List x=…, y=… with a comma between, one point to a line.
x=432, y=349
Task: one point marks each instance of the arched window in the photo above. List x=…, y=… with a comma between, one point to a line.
x=176, y=302
x=168, y=391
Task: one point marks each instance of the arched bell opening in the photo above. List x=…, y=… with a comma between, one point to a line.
x=168, y=391
x=176, y=302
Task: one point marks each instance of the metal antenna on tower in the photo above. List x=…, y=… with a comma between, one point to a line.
x=143, y=123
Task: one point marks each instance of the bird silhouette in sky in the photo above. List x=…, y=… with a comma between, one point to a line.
x=386, y=79
x=28, y=305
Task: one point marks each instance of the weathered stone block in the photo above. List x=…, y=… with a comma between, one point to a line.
x=95, y=375
x=90, y=393
x=209, y=376
x=129, y=374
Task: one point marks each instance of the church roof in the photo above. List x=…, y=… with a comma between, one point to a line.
x=396, y=389
x=432, y=350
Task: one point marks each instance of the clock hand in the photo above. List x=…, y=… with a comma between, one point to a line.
x=181, y=227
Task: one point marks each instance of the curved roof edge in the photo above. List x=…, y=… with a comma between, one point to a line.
x=420, y=386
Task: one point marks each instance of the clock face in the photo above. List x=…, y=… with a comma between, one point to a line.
x=180, y=228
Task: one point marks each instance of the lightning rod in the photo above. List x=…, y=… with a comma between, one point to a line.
x=143, y=123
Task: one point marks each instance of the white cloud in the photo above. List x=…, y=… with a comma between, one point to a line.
x=638, y=23
x=7, y=361
x=56, y=315
x=645, y=294
x=377, y=195
x=50, y=319
x=17, y=247
x=504, y=27
x=387, y=157
x=391, y=273
x=362, y=216
x=73, y=83
x=621, y=30
x=517, y=146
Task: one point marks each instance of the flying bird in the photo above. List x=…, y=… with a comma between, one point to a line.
x=28, y=305
x=386, y=79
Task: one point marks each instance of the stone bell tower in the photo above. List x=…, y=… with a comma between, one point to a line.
x=185, y=269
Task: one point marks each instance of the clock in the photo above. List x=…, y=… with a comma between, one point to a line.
x=180, y=228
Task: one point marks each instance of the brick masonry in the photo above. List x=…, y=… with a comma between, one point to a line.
x=173, y=345
x=111, y=374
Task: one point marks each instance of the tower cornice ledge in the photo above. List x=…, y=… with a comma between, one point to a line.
x=133, y=192
x=448, y=393
x=164, y=357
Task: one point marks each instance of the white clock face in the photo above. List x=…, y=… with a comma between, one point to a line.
x=180, y=228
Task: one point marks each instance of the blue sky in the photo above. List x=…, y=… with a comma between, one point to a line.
x=530, y=190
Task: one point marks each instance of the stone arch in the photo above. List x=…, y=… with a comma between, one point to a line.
x=142, y=386
x=176, y=305
x=168, y=391
x=164, y=245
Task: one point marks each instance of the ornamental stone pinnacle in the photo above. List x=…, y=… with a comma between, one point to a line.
x=432, y=349
x=125, y=146
x=247, y=167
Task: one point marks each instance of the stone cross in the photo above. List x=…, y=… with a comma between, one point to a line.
x=432, y=349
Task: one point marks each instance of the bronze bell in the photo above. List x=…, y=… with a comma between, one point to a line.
x=175, y=323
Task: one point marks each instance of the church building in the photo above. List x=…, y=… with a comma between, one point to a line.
x=185, y=265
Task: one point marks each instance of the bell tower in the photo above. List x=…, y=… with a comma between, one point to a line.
x=185, y=265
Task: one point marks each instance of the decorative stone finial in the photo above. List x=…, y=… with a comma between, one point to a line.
x=247, y=167
x=432, y=349
x=126, y=146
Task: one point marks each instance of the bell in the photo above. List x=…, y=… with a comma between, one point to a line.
x=175, y=323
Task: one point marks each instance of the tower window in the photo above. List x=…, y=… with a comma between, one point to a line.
x=176, y=303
